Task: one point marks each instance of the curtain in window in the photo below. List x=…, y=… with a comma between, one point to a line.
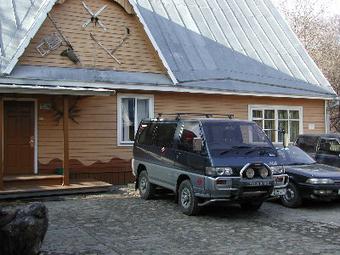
x=128, y=119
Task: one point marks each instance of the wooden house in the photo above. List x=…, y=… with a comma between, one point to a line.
x=77, y=76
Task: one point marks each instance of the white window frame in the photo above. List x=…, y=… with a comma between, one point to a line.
x=119, y=114
x=276, y=108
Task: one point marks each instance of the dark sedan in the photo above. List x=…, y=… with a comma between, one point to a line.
x=307, y=178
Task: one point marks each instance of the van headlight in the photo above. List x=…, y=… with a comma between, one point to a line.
x=319, y=181
x=218, y=171
x=277, y=169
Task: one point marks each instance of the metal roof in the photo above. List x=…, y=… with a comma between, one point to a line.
x=243, y=41
x=19, y=21
x=211, y=46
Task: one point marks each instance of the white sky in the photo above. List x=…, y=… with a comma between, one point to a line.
x=333, y=6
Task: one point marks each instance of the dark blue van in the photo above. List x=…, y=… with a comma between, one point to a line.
x=207, y=160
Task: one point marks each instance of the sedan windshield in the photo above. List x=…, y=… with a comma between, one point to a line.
x=236, y=138
x=294, y=156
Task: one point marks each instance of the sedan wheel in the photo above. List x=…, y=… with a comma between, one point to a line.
x=292, y=198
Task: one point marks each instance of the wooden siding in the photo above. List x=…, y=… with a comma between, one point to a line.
x=136, y=54
x=94, y=153
x=94, y=138
x=313, y=110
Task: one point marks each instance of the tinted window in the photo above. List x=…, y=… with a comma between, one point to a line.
x=187, y=134
x=146, y=133
x=307, y=143
x=329, y=146
x=164, y=134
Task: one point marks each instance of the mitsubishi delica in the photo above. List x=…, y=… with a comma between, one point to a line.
x=207, y=160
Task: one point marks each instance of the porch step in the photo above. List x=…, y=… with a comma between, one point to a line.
x=43, y=180
x=32, y=191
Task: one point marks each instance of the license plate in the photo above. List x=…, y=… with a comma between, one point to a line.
x=278, y=192
x=257, y=183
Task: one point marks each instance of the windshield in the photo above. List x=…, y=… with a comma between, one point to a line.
x=294, y=156
x=236, y=138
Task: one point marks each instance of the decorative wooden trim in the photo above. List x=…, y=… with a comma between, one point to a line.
x=126, y=6
x=116, y=171
x=66, y=163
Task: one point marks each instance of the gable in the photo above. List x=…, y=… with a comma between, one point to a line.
x=136, y=54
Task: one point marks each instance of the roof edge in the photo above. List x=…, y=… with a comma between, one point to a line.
x=153, y=41
x=43, y=11
x=157, y=88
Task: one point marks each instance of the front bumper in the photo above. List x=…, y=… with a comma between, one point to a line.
x=320, y=192
x=235, y=189
x=280, y=184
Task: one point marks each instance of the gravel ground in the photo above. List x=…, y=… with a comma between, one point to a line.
x=120, y=222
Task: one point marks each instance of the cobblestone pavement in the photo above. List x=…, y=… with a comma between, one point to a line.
x=121, y=223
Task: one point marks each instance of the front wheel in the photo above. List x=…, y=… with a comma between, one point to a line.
x=146, y=189
x=186, y=199
x=251, y=206
x=292, y=198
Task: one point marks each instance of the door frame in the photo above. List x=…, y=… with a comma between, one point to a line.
x=35, y=100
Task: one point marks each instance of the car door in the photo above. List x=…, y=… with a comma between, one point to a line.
x=187, y=159
x=165, y=153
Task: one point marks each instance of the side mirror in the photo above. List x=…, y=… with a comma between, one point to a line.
x=197, y=144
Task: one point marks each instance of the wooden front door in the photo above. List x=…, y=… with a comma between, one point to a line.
x=18, y=137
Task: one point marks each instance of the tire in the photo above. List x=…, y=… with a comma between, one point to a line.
x=145, y=188
x=186, y=199
x=251, y=206
x=292, y=198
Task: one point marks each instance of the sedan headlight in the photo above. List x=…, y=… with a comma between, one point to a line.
x=218, y=171
x=319, y=181
x=277, y=169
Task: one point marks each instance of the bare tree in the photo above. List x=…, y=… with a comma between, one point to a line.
x=320, y=35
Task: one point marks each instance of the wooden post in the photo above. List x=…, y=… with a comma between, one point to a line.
x=1, y=146
x=66, y=142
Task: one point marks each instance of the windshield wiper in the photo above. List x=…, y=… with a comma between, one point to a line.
x=235, y=148
x=261, y=149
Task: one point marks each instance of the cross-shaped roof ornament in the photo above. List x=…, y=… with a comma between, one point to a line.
x=94, y=16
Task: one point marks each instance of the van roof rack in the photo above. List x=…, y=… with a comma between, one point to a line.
x=206, y=115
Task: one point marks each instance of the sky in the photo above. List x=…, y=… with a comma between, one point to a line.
x=333, y=7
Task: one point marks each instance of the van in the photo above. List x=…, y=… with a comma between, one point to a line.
x=207, y=160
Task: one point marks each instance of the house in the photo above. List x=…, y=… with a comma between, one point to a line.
x=77, y=76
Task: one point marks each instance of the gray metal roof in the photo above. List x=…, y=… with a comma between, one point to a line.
x=216, y=46
x=19, y=21
x=235, y=40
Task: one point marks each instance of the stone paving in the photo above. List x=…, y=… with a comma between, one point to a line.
x=121, y=223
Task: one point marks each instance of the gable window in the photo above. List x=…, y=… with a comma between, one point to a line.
x=131, y=109
x=273, y=118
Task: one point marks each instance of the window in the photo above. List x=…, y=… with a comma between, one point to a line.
x=146, y=134
x=131, y=110
x=164, y=134
x=187, y=134
x=273, y=118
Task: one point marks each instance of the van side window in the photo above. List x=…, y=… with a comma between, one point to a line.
x=164, y=134
x=146, y=134
x=187, y=135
